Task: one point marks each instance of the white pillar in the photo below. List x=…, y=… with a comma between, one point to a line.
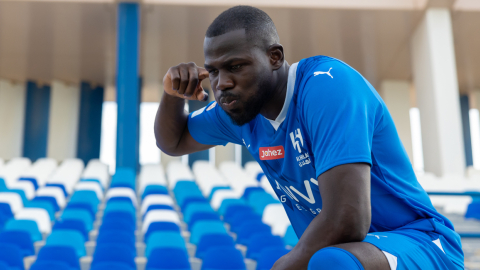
x=63, y=121
x=435, y=78
x=396, y=95
x=12, y=118
x=224, y=153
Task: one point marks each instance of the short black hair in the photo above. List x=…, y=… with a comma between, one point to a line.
x=259, y=27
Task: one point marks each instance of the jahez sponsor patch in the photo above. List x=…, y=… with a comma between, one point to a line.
x=272, y=152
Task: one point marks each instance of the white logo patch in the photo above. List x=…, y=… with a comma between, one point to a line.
x=323, y=72
x=298, y=135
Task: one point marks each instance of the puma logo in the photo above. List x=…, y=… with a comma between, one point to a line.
x=323, y=72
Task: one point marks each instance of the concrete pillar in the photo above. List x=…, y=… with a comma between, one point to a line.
x=435, y=78
x=12, y=117
x=396, y=95
x=224, y=153
x=63, y=121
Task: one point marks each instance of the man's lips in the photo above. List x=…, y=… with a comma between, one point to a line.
x=229, y=104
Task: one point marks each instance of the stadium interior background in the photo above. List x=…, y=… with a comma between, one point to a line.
x=81, y=80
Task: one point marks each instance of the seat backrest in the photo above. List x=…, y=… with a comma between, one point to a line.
x=120, y=206
x=206, y=226
x=234, y=210
x=155, y=199
x=53, y=191
x=43, y=204
x=69, y=238
x=79, y=214
x=229, y=202
x=160, y=215
x=259, y=241
x=116, y=236
x=5, y=210
x=211, y=240
x=198, y=216
x=164, y=239
x=19, y=238
x=61, y=253
x=231, y=258
x=122, y=192
x=13, y=199
x=111, y=265
x=90, y=185
x=39, y=215
x=250, y=228
x=71, y=224
x=29, y=226
x=168, y=258
x=194, y=208
x=154, y=189
x=85, y=196
x=161, y=226
x=11, y=255
x=50, y=265
x=113, y=253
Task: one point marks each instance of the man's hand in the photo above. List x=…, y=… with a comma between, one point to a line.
x=293, y=260
x=185, y=81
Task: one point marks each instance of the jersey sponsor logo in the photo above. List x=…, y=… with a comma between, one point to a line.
x=274, y=152
x=323, y=72
x=212, y=106
x=294, y=136
x=197, y=112
x=289, y=191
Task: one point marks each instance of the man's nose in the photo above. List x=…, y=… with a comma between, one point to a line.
x=224, y=82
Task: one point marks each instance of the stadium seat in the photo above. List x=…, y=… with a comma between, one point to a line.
x=164, y=239
x=290, y=238
x=160, y=215
x=221, y=195
x=205, y=227
x=213, y=240
x=214, y=189
x=32, y=180
x=192, y=199
x=121, y=192
x=198, y=216
x=120, y=206
x=168, y=259
x=58, y=186
x=79, y=214
x=231, y=259
x=13, y=200
x=6, y=211
x=71, y=224
x=250, y=190
x=160, y=226
x=268, y=257
x=234, y=210
x=21, y=239
x=47, y=199
x=92, y=186
x=68, y=238
x=29, y=226
x=157, y=207
x=123, y=216
x=249, y=228
x=123, y=178
x=39, y=215
x=88, y=196
x=113, y=253
x=259, y=241
x=112, y=265
x=226, y=203
x=43, y=204
x=154, y=189
x=50, y=265
x=120, y=224
x=275, y=216
x=239, y=219
x=11, y=255
x=64, y=254
x=155, y=200
x=27, y=187
x=116, y=236
x=195, y=208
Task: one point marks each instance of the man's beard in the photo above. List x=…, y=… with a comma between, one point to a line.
x=253, y=105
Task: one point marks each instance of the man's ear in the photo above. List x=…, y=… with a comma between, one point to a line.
x=276, y=56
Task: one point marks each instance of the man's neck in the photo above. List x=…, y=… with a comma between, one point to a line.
x=274, y=106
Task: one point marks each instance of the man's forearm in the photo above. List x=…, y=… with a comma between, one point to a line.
x=170, y=123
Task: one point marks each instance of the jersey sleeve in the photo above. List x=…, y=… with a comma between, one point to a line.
x=340, y=112
x=211, y=125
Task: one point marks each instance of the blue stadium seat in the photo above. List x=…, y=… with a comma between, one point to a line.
x=213, y=240
x=61, y=186
x=192, y=199
x=168, y=259
x=473, y=210
x=21, y=239
x=215, y=189
x=250, y=190
x=71, y=224
x=259, y=241
x=11, y=255
x=157, y=206
x=122, y=216
x=194, y=208
x=117, y=238
x=235, y=210
x=154, y=189
x=204, y=227
x=249, y=228
x=185, y=189
x=64, y=254
x=229, y=202
x=30, y=179
x=123, y=177
x=114, y=223
x=79, y=214
x=202, y=216
x=43, y=204
x=112, y=265
x=241, y=218
x=122, y=199
x=92, y=180
x=269, y=256
x=82, y=205
x=88, y=196
x=160, y=226
x=3, y=186
x=29, y=226
x=47, y=199
x=290, y=238
x=164, y=239
x=68, y=238
x=6, y=211
x=231, y=259
x=120, y=206
x=114, y=253
x=50, y=265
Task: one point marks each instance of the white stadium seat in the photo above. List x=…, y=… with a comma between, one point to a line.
x=96, y=170
x=93, y=186
x=26, y=186
x=221, y=195
x=13, y=199
x=160, y=216
x=275, y=216
x=156, y=199
x=54, y=192
x=151, y=175
x=41, y=170
x=122, y=192
x=39, y=215
x=177, y=171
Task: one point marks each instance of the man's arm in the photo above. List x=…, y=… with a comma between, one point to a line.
x=182, y=82
x=345, y=215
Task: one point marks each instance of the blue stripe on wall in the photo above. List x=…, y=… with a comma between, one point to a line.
x=127, y=85
x=90, y=122
x=194, y=105
x=36, y=121
x=465, y=108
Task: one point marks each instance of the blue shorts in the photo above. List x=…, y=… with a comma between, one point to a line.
x=408, y=248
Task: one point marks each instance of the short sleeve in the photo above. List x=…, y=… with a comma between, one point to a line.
x=340, y=111
x=211, y=125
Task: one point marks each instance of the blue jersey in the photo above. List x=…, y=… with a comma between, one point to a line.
x=332, y=116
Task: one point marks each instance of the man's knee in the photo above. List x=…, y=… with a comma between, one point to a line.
x=333, y=258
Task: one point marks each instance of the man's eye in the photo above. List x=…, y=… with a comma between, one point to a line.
x=236, y=67
x=213, y=71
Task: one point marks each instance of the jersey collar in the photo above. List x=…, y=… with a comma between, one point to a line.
x=292, y=74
